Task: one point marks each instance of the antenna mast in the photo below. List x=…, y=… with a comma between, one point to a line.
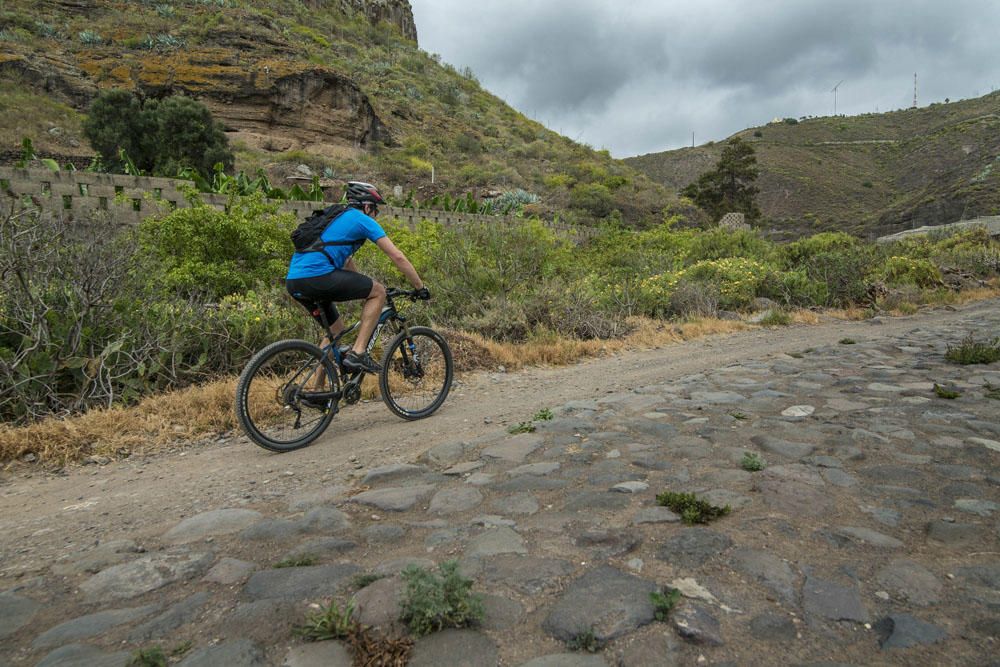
x=834, y=91
x=914, y=90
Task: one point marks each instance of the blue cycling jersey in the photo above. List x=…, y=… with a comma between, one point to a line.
x=353, y=226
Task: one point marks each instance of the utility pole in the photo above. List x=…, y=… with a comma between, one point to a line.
x=834, y=91
x=692, y=140
x=914, y=90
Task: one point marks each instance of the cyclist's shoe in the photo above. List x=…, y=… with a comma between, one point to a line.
x=360, y=362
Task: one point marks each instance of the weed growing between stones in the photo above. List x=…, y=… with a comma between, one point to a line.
x=942, y=392
x=752, y=462
x=329, y=623
x=433, y=602
x=971, y=351
x=736, y=414
x=304, y=560
x=848, y=341
x=364, y=580
x=664, y=602
x=522, y=427
x=585, y=641
x=690, y=509
x=991, y=391
x=375, y=649
x=148, y=657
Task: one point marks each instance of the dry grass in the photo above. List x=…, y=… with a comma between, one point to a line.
x=196, y=413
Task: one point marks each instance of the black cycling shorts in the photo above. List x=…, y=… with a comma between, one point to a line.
x=319, y=292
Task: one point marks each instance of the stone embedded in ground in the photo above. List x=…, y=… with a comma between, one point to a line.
x=723, y=497
x=394, y=499
x=773, y=628
x=515, y=449
x=695, y=623
x=544, y=468
x=651, y=649
x=910, y=581
x=99, y=558
x=319, y=654
x=566, y=660
x=229, y=571
x=839, y=478
x=377, y=605
x=717, y=397
x=519, y=503
x=794, y=490
x=445, y=454
x=383, y=533
x=693, y=547
x=271, y=530
x=867, y=536
x=955, y=535
x=458, y=648
x=834, y=601
x=798, y=411
x=607, y=542
x=983, y=508
x=325, y=520
x=453, y=501
x=495, y=541
x=265, y=621
x=605, y=601
x=320, y=547
x=236, y=653
x=786, y=448
x=529, y=575
x=144, y=575
x=993, y=445
x=211, y=524
x=501, y=612
x=893, y=474
x=654, y=430
x=82, y=655
x=392, y=472
x=177, y=615
x=524, y=483
x=630, y=487
x=90, y=625
x=987, y=576
x=587, y=501
x=299, y=582
x=766, y=568
x=905, y=631
x=464, y=468
x=15, y=613
x=656, y=514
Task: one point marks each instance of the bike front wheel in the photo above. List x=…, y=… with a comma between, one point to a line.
x=417, y=371
x=286, y=396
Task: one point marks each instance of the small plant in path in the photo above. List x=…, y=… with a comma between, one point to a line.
x=942, y=392
x=585, y=641
x=522, y=427
x=664, y=602
x=848, y=341
x=736, y=414
x=691, y=509
x=305, y=560
x=543, y=415
x=971, y=351
x=752, y=462
x=328, y=623
x=364, y=580
x=433, y=602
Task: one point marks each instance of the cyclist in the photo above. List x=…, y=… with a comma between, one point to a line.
x=318, y=278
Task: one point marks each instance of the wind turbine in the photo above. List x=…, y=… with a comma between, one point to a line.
x=834, y=91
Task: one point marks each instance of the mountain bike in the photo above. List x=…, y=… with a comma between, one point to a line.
x=291, y=390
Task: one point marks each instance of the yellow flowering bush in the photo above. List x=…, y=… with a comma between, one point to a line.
x=908, y=271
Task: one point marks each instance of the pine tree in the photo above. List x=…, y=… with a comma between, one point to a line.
x=729, y=187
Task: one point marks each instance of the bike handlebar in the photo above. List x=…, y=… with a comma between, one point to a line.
x=392, y=293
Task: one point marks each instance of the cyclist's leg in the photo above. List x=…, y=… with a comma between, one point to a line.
x=369, y=316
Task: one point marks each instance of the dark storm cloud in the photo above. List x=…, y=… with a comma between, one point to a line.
x=641, y=76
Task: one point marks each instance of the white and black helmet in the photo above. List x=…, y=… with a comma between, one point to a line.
x=362, y=193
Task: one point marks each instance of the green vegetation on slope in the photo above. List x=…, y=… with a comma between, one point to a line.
x=436, y=116
x=869, y=174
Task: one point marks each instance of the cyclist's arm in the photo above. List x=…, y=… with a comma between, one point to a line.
x=399, y=259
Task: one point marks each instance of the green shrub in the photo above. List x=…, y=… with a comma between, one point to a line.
x=797, y=254
x=328, y=623
x=664, y=602
x=594, y=198
x=148, y=657
x=752, y=462
x=972, y=351
x=776, y=318
x=433, y=602
x=212, y=253
x=738, y=278
x=907, y=271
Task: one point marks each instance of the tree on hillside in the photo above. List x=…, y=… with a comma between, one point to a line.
x=730, y=185
x=159, y=136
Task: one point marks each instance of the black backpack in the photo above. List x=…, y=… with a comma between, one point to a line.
x=306, y=237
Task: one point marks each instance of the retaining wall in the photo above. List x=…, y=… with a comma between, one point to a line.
x=79, y=196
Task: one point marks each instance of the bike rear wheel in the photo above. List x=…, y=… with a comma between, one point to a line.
x=284, y=398
x=417, y=370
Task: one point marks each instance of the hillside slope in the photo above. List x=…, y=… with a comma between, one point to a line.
x=870, y=174
x=338, y=85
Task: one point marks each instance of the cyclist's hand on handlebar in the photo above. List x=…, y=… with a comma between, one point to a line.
x=423, y=294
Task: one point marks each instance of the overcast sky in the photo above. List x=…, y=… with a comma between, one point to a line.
x=640, y=76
